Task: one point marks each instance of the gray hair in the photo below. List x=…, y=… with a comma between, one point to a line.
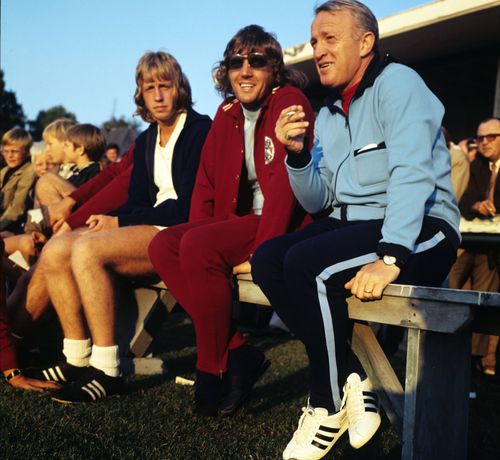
x=366, y=20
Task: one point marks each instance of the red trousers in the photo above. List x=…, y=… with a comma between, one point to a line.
x=195, y=261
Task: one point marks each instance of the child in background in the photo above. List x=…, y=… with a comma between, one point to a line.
x=25, y=242
x=83, y=147
x=16, y=179
x=55, y=135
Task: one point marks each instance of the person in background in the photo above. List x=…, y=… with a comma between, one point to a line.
x=380, y=162
x=25, y=242
x=241, y=198
x=83, y=147
x=16, y=179
x=459, y=166
x=55, y=136
x=482, y=200
x=112, y=154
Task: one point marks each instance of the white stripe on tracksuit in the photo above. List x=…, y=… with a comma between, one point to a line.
x=325, y=308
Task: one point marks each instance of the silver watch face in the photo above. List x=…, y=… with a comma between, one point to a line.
x=389, y=260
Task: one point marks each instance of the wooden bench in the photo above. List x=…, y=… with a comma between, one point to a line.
x=430, y=414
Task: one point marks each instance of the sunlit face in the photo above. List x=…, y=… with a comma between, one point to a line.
x=54, y=150
x=14, y=154
x=70, y=152
x=489, y=149
x=40, y=164
x=251, y=86
x=112, y=155
x=159, y=98
x=337, y=53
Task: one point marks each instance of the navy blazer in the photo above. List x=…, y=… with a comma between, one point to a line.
x=139, y=208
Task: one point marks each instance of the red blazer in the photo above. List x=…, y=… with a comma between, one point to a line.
x=7, y=354
x=217, y=183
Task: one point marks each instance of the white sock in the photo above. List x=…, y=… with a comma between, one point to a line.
x=77, y=352
x=106, y=359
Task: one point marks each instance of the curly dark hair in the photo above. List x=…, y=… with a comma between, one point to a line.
x=250, y=39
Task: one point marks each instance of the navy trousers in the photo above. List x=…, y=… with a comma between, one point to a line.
x=303, y=275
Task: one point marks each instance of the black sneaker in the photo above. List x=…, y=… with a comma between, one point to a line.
x=62, y=372
x=93, y=385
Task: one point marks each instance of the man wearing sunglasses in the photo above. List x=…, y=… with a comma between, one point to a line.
x=481, y=199
x=380, y=162
x=241, y=198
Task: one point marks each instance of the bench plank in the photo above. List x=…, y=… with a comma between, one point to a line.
x=412, y=313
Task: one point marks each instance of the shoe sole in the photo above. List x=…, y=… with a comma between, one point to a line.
x=263, y=368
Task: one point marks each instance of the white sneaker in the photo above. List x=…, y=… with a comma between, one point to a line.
x=316, y=434
x=362, y=410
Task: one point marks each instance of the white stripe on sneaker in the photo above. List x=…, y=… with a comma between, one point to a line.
x=53, y=375
x=59, y=372
x=90, y=392
x=98, y=385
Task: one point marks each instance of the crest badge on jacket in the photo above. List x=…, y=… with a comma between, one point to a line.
x=269, y=150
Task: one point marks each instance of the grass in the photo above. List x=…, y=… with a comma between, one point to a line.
x=154, y=418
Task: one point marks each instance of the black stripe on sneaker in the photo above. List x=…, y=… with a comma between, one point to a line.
x=370, y=394
x=371, y=409
x=324, y=437
x=329, y=429
x=319, y=445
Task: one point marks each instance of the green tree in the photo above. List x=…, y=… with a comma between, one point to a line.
x=11, y=112
x=121, y=122
x=45, y=117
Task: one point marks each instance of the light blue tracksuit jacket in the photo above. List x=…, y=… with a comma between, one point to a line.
x=387, y=160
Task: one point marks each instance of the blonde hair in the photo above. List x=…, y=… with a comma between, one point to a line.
x=18, y=136
x=161, y=65
x=38, y=148
x=58, y=129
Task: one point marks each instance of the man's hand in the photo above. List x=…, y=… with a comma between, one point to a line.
x=25, y=383
x=100, y=222
x=291, y=128
x=60, y=210
x=485, y=208
x=372, y=279
x=244, y=267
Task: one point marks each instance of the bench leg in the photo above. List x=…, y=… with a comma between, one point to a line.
x=380, y=372
x=436, y=396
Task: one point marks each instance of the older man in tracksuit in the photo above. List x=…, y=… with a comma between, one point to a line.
x=380, y=162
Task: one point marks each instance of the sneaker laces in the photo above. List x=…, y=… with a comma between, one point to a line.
x=307, y=425
x=356, y=406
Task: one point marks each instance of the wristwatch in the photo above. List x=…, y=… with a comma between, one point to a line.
x=12, y=374
x=391, y=260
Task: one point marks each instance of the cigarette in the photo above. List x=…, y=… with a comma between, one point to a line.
x=183, y=381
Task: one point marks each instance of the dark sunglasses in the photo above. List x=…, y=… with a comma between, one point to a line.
x=488, y=137
x=256, y=61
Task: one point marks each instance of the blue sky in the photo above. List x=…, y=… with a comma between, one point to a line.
x=82, y=53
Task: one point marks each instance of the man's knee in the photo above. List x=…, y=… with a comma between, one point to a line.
x=57, y=252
